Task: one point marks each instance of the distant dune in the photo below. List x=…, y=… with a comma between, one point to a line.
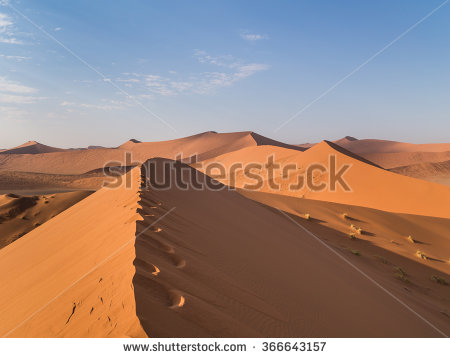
x=390, y=154
x=31, y=147
x=364, y=146
x=198, y=147
x=235, y=268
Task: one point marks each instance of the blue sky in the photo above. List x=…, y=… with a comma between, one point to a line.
x=157, y=70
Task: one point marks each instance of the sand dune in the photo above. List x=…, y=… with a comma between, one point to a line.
x=370, y=185
x=31, y=147
x=393, y=160
x=201, y=146
x=21, y=214
x=129, y=143
x=390, y=154
x=365, y=146
x=122, y=273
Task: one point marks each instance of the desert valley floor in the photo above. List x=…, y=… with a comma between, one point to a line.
x=126, y=259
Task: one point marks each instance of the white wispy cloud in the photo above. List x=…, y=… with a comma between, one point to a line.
x=14, y=87
x=214, y=80
x=102, y=105
x=18, y=99
x=230, y=71
x=67, y=104
x=13, y=92
x=15, y=58
x=6, y=33
x=221, y=61
x=253, y=37
x=5, y=21
x=58, y=28
x=128, y=80
x=12, y=113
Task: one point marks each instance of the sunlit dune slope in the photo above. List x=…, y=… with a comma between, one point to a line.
x=72, y=276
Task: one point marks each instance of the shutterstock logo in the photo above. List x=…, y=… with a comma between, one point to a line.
x=275, y=176
x=269, y=174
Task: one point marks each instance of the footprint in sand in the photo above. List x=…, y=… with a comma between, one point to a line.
x=178, y=261
x=176, y=298
x=147, y=267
